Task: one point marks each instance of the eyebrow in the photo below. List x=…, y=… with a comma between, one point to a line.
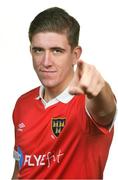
x=52, y=48
x=59, y=48
x=36, y=48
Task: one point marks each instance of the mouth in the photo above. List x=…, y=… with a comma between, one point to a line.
x=45, y=71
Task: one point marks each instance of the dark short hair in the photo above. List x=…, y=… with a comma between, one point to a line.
x=56, y=20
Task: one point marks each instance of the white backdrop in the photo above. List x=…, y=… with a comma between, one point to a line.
x=98, y=38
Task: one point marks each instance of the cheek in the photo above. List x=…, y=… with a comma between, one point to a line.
x=65, y=70
x=67, y=66
x=36, y=63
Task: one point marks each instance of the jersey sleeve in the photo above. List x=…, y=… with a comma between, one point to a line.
x=103, y=129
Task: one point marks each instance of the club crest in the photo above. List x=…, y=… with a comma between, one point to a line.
x=57, y=125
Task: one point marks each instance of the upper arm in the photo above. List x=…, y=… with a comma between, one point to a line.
x=16, y=169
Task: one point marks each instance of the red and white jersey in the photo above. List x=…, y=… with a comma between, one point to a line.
x=58, y=140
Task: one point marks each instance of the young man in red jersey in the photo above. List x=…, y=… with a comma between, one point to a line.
x=64, y=128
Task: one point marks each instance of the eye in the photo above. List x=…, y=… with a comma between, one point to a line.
x=57, y=51
x=37, y=50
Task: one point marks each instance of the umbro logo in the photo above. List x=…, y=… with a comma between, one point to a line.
x=21, y=126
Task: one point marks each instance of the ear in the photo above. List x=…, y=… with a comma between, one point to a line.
x=77, y=51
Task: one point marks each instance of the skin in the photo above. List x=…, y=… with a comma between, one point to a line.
x=54, y=60
x=16, y=169
x=100, y=101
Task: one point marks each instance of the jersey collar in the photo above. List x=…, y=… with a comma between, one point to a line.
x=64, y=97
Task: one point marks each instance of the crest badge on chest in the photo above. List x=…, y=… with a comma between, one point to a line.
x=58, y=125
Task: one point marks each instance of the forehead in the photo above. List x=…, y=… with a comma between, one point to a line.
x=50, y=39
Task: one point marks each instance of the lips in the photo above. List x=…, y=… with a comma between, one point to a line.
x=44, y=71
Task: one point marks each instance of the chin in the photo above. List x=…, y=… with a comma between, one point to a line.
x=49, y=84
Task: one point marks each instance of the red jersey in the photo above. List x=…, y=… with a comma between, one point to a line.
x=58, y=142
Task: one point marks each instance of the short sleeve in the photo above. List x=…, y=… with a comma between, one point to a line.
x=103, y=129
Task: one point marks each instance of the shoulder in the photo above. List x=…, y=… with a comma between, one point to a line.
x=25, y=103
x=79, y=100
x=28, y=96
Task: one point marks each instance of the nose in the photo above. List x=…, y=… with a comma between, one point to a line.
x=46, y=61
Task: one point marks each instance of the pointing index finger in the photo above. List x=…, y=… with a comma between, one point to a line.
x=80, y=66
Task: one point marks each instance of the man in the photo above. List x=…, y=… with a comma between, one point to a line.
x=64, y=128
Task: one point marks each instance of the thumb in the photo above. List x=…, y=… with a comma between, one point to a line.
x=73, y=90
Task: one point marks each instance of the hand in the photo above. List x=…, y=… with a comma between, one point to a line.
x=86, y=80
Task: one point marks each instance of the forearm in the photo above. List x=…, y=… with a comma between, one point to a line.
x=100, y=101
x=103, y=106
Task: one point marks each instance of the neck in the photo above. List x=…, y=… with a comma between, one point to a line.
x=50, y=93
